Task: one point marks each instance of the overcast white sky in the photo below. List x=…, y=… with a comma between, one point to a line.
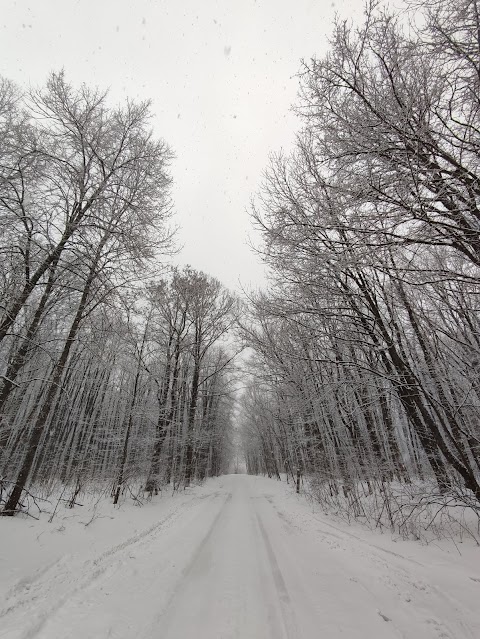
x=221, y=77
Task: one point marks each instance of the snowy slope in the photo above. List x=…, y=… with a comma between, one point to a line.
x=240, y=557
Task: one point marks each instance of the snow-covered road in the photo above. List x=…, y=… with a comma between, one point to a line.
x=244, y=558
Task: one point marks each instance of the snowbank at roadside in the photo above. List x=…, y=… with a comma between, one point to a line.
x=29, y=548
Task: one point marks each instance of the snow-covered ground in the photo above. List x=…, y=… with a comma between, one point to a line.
x=239, y=557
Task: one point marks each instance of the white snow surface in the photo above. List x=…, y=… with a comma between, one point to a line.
x=239, y=557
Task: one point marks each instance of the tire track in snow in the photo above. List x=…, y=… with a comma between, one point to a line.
x=286, y=608
x=201, y=547
x=165, y=616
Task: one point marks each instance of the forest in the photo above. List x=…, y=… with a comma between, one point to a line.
x=122, y=374
x=114, y=366
x=366, y=362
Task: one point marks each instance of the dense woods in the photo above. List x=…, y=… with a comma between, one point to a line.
x=113, y=369
x=367, y=345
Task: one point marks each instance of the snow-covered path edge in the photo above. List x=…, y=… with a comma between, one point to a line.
x=43, y=565
x=439, y=582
